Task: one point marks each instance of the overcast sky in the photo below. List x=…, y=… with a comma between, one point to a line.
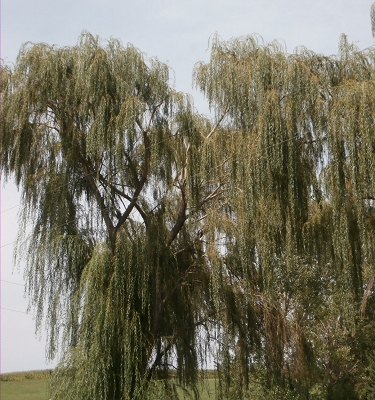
x=178, y=33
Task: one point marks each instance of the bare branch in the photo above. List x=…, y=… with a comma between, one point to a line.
x=218, y=122
x=211, y=196
x=125, y=196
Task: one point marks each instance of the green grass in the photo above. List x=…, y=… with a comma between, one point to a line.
x=33, y=385
x=26, y=390
x=28, y=385
x=208, y=392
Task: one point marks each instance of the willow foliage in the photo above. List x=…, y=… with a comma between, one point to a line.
x=158, y=237
x=299, y=242
x=108, y=157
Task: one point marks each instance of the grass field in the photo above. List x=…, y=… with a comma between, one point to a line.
x=33, y=385
x=25, y=390
x=29, y=385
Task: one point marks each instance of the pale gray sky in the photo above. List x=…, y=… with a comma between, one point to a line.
x=177, y=32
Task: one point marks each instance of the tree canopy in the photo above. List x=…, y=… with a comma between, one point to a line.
x=302, y=205
x=160, y=238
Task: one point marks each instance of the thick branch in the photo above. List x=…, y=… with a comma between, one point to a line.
x=132, y=168
x=152, y=115
x=125, y=196
x=142, y=181
x=89, y=172
x=157, y=360
x=103, y=209
x=176, y=286
x=180, y=219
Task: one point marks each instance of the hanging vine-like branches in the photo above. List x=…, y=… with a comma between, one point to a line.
x=159, y=238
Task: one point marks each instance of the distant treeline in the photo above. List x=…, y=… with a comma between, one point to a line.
x=25, y=375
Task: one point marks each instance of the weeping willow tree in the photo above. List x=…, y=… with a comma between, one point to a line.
x=151, y=234
x=109, y=161
x=297, y=235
